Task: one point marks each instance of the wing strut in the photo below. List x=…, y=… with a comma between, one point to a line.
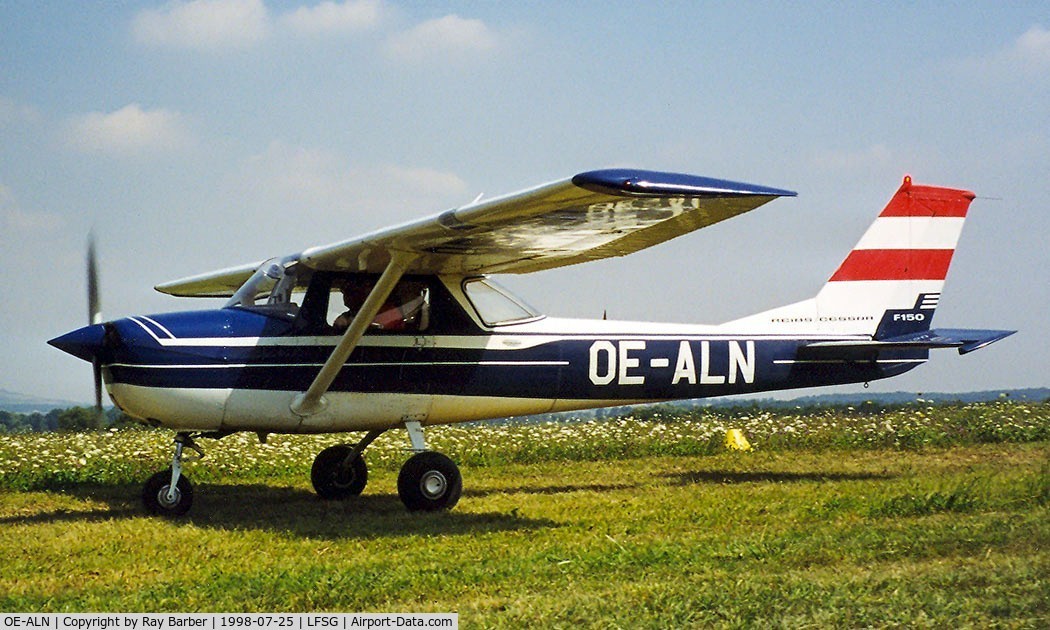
x=312, y=400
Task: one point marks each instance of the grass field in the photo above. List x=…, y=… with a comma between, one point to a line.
x=921, y=517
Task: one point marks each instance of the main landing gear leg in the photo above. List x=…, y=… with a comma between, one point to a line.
x=428, y=481
x=339, y=472
x=169, y=493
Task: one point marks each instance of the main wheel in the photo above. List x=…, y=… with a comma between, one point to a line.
x=333, y=479
x=429, y=481
x=155, y=495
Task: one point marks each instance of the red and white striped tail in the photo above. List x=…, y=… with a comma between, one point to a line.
x=901, y=261
x=913, y=239
x=899, y=265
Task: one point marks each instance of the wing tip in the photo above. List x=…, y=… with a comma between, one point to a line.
x=643, y=183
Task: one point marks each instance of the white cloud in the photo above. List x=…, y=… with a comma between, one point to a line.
x=1031, y=50
x=334, y=17
x=12, y=111
x=310, y=176
x=203, y=24
x=16, y=220
x=238, y=24
x=424, y=180
x=340, y=198
x=1025, y=57
x=130, y=131
x=317, y=177
x=450, y=36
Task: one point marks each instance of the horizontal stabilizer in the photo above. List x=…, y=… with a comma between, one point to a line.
x=966, y=340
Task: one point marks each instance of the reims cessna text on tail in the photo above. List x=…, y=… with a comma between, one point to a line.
x=404, y=328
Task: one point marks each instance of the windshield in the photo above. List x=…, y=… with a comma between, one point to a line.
x=273, y=288
x=495, y=305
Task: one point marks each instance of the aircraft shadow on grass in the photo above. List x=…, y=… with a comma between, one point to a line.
x=287, y=510
x=548, y=490
x=299, y=511
x=764, y=476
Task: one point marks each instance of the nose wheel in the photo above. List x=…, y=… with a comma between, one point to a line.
x=169, y=492
x=163, y=499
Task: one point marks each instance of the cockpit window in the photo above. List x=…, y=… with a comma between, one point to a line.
x=495, y=305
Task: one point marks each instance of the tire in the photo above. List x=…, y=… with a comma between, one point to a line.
x=429, y=481
x=155, y=495
x=332, y=480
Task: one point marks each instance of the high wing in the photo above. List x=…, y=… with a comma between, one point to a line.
x=594, y=215
x=222, y=283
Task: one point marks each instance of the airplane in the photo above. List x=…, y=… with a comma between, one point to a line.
x=405, y=328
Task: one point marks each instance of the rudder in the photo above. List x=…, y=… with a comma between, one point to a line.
x=892, y=279
x=890, y=282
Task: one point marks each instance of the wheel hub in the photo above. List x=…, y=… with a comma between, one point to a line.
x=167, y=501
x=433, y=484
x=343, y=477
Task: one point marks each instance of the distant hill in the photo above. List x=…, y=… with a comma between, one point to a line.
x=22, y=403
x=1035, y=394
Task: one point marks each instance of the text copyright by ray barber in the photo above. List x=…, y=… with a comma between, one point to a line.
x=219, y=621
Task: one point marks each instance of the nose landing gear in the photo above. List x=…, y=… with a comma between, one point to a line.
x=169, y=493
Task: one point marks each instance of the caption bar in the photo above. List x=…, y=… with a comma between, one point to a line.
x=218, y=621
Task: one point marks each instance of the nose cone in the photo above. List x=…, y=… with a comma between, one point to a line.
x=84, y=343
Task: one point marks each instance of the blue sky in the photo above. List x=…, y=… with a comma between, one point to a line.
x=197, y=135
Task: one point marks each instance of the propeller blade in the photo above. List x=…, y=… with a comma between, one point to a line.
x=94, y=303
x=94, y=316
x=96, y=368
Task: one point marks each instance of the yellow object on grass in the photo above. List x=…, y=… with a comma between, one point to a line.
x=735, y=440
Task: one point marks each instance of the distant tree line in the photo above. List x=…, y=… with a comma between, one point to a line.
x=69, y=419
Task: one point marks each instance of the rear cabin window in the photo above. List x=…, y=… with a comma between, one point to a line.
x=495, y=305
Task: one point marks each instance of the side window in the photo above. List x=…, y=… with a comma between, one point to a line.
x=495, y=305
x=406, y=310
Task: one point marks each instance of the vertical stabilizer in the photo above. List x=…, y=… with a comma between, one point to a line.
x=890, y=283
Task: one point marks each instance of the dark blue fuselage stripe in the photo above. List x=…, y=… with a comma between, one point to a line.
x=567, y=369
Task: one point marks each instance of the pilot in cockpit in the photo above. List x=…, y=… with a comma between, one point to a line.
x=399, y=312
x=406, y=309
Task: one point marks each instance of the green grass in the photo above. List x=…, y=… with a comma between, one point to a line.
x=613, y=534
